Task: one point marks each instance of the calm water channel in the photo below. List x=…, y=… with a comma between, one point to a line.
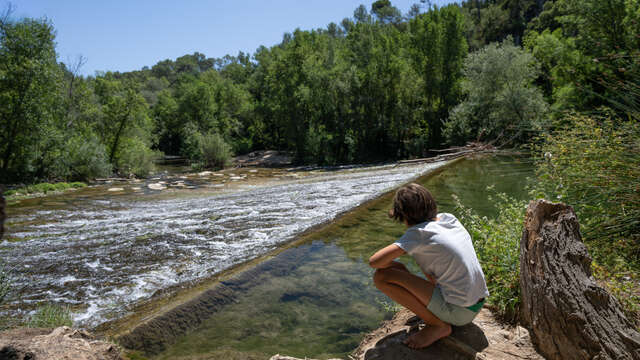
x=317, y=298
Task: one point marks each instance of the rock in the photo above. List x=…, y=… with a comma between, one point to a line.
x=156, y=186
x=569, y=315
x=267, y=158
x=205, y=173
x=282, y=357
x=236, y=178
x=114, y=189
x=483, y=339
x=59, y=343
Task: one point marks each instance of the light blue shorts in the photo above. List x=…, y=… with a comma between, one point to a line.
x=449, y=313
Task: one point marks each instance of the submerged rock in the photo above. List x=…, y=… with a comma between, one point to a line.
x=59, y=343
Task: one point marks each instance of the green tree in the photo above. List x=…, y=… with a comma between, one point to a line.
x=28, y=95
x=125, y=123
x=502, y=104
x=439, y=48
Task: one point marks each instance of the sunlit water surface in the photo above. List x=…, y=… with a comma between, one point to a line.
x=101, y=254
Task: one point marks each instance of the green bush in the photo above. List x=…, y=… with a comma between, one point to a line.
x=50, y=316
x=215, y=152
x=497, y=244
x=206, y=151
x=87, y=158
x=136, y=158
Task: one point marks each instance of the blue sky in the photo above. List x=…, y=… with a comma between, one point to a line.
x=124, y=35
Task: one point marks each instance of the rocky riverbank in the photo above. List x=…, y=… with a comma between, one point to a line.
x=485, y=338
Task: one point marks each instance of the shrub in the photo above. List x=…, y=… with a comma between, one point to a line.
x=497, y=244
x=87, y=158
x=215, y=152
x=50, y=316
x=207, y=151
x=136, y=158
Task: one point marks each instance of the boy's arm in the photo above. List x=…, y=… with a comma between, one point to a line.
x=384, y=257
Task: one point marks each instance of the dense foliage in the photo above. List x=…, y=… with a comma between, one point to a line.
x=502, y=104
x=377, y=86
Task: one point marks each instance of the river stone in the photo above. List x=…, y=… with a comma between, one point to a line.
x=156, y=186
x=59, y=343
x=282, y=357
x=115, y=189
x=205, y=173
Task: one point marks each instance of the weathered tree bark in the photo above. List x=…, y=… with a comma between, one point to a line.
x=569, y=315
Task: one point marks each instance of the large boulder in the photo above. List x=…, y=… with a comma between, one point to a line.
x=59, y=343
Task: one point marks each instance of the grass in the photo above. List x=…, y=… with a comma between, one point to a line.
x=42, y=188
x=50, y=316
x=497, y=244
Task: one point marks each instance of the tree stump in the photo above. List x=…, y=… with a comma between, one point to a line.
x=569, y=315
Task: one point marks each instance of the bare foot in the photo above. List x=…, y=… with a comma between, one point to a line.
x=428, y=336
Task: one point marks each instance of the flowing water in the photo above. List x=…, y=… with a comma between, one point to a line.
x=101, y=252
x=317, y=299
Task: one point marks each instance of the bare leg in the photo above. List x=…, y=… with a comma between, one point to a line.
x=414, y=293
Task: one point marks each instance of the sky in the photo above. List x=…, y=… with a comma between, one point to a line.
x=125, y=35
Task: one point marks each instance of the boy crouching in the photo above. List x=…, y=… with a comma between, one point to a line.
x=454, y=290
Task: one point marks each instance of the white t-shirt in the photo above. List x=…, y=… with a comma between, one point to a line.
x=443, y=249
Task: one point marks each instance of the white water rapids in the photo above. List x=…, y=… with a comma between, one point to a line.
x=101, y=256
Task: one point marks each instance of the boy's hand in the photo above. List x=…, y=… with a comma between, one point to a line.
x=431, y=278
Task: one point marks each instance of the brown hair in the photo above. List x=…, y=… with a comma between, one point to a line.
x=413, y=203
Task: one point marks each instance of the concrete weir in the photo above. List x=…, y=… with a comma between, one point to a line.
x=153, y=335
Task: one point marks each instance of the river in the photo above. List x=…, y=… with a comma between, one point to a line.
x=103, y=254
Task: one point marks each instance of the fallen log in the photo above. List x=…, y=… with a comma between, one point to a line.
x=568, y=314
